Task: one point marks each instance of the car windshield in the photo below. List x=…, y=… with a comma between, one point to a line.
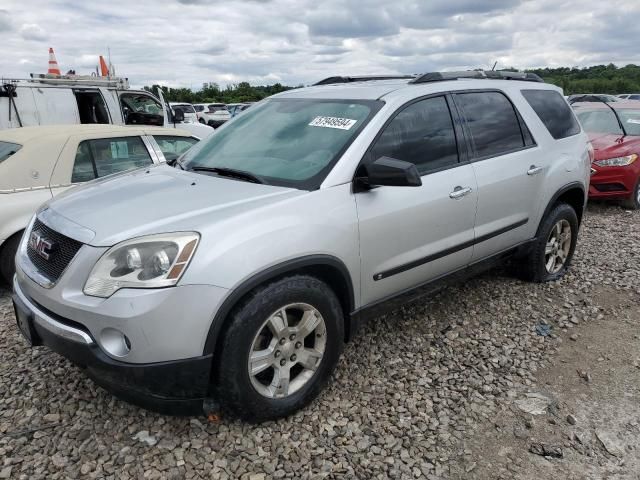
x=185, y=107
x=604, y=121
x=287, y=142
x=7, y=149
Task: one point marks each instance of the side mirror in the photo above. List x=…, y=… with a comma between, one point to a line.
x=387, y=171
x=178, y=115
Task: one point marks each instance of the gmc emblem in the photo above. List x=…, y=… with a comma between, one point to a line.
x=42, y=246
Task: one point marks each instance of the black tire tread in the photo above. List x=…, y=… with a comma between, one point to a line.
x=230, y=391
x=532, y=266
x=7, y=256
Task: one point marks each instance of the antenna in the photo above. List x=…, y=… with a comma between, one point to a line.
x=494, y=66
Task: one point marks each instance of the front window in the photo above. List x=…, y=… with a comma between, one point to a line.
x=172, y=147
x=604, y=121
x=141, y=109
x=288, y=142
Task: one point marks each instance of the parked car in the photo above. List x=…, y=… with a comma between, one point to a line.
x=218, y=114
x=75, y=99
x=38, y=163
x=592, y=97
x=630, y=96
x=201, y=112
x=213, y=114
x=188, y=110
x=234, y=279
x=235, y=108
x=614, y=131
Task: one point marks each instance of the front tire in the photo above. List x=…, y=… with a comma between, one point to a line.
x=633, y=203
x=280, y=348
x=552, y=251
x=8, y=257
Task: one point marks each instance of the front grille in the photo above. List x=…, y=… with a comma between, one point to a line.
x=610, y=187
x=60, y=255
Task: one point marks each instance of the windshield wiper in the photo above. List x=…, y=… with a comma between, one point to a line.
x=229, y=172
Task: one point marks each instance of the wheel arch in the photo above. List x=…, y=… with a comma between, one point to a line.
x=572, y=194
x=327, y=268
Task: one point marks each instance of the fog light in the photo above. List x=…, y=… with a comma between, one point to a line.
x=115, y=342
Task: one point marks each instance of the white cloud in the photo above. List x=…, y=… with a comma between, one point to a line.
x=33, y=31
x=188, y=42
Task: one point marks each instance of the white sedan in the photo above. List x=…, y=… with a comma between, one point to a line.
x=37, y=163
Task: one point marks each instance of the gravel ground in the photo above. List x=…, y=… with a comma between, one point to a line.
x=414, y=396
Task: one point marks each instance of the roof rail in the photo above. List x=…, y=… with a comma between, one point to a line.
x=369, y=78
x=477, y=74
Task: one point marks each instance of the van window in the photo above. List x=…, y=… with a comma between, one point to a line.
x=172, y=146
x=554, y=112
x=422, y=134
x=105, y=156
x=492, y=122
x=141, y=109
x=91, y=107
x=7, y=149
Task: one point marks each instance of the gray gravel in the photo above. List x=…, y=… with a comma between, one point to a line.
x=407, y=393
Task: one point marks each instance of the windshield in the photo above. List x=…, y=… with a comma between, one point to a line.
x=7, y=149
x=604, y=121
x=288, y=142
x=185, y=107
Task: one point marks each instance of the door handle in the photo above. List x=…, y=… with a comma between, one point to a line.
x=459, y=192
x=533, y=170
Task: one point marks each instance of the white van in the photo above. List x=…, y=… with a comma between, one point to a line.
x=72, y=99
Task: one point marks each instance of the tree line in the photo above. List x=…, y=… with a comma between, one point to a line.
x=596, y=79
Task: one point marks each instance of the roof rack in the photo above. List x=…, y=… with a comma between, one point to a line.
x=369, y=78
x=84, y=80
x=477, y=74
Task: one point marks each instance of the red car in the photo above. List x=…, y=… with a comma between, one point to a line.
x=614, y=130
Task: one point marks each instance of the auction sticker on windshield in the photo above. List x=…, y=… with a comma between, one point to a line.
x=333, y=122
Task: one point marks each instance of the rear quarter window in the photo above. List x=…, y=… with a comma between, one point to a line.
x=554, y=112
x=7, y=149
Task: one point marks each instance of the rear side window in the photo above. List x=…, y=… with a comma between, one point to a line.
x=104, y=156
x=7, y=149
x=553, y=111
x=492, y=121
x=422, y=134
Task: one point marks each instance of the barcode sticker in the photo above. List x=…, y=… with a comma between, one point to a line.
x=333, y=122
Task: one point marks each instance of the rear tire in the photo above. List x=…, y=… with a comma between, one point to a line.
x=633, y=203
x=552, y=251
x=280, y=348
x=8, y=257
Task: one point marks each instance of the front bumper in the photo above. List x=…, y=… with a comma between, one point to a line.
x=170, y=387
x=614, y=182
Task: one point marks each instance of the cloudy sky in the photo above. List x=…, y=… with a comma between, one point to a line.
x=188, y=42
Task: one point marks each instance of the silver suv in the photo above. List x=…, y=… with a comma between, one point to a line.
x=233, y=278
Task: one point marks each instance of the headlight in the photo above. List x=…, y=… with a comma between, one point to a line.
x=145, y=262
x=617, y=161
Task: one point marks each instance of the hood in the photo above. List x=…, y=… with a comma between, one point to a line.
x=160, y=199
x=610, y=146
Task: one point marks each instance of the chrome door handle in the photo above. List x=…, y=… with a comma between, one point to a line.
x=533, y=170
x=459, y=192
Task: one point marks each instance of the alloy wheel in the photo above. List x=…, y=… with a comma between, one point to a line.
x=287, y=350
x=558, y=246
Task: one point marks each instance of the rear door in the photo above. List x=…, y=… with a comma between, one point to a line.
x=410, y=235
x=508, y=167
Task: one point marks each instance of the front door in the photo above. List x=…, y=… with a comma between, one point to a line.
x=410, y=235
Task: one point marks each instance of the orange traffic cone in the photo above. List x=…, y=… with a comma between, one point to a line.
x=53, y=63
x=104, y=70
